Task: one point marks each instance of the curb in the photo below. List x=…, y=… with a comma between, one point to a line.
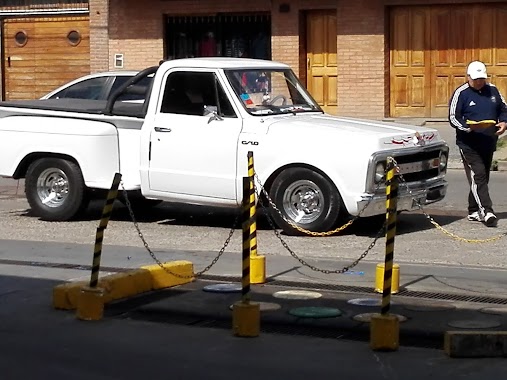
x=126, y=284
x=475, y=344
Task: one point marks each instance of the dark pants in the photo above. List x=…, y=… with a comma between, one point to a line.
x=477, y=168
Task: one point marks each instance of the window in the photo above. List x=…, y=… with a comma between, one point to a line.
x=88, y=89
x=74, y=38
x=190, y=93
x=21, y=38
x=142, y=87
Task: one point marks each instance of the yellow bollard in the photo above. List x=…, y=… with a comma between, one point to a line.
x=379, y=278
x=90, y=305
x=257, y=269
x=246, y=318
x=384, y=332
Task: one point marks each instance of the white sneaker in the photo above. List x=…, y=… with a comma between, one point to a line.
x=490, y=219
x=474, y=217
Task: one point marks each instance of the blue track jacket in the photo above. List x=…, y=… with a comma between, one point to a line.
x=469, y=104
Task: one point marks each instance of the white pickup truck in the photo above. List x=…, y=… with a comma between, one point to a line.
x=188, y=143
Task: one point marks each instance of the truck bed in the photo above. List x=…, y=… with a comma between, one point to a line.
x=85, y=106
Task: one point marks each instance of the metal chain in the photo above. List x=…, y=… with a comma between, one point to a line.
x=312, y=267
x=313, y=233
x=438, y=226
x=154, y=257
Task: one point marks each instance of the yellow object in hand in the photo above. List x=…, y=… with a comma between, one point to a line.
x=482, y=123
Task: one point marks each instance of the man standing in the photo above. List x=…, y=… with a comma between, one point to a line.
x=478, y=112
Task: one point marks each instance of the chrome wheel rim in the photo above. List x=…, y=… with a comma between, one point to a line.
x=52, y=187
x=303, y=202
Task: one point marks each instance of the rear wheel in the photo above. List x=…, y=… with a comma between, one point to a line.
x=306, y=199
x=55, y=189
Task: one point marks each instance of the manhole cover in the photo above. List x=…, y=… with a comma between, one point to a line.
x=366, y=302
x=265, y=306
x=297, y=294
x=366, y=317
x=474, y=324
x=494, y=310
x=315, y=312
x=223, y=288
x=430, y=306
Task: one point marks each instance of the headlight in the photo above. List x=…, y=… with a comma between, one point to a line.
x=443, y=161
x=380, y=171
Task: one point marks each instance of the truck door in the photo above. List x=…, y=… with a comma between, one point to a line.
x=194, y=139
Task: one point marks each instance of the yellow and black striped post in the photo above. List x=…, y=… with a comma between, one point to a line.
x=247, y=221
x=391, y=213
x=257, y=262
x=384, y=327
x=99, y=236
x=246, y=314
x=90, y=305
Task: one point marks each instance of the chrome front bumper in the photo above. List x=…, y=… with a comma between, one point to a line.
x=406, y=201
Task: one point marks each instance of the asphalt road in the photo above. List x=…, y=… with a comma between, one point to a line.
x=198, y=229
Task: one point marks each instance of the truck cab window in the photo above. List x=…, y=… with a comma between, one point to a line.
x=191, y=93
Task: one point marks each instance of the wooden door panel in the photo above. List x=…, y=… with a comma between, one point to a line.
x=409, y=62
x=48, y=57
x=454, y=35
x=322, y=66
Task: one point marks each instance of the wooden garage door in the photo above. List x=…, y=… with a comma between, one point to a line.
x=43, y=53
x=431, y=47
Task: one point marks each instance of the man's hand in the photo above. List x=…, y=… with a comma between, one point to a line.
x=501, y=128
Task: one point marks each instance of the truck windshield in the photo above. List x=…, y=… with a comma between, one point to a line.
x=271, y=91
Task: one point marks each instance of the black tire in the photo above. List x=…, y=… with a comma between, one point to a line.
x=55, y=189
x=325, y=202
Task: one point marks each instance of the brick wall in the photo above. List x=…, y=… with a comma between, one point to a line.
x=99, y=36
x=363, y=79
x=137, y=30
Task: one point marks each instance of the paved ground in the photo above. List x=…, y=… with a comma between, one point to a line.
x=186, y=333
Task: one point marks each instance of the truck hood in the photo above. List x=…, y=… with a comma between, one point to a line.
x=382, y=135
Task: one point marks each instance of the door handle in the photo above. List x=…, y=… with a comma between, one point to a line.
x=162, y=129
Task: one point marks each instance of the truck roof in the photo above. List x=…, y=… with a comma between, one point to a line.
x=225, y=63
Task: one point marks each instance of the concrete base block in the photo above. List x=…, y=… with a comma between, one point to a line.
x=475, y=344
x=125, y=284
x=246, y=319
x=90, y=306
x=162, y=279
x=384, y=332
x=65, y=296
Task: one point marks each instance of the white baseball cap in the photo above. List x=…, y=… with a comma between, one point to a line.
x=476, y=70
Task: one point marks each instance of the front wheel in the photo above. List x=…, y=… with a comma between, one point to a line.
x=305, y=199
x=55, y=189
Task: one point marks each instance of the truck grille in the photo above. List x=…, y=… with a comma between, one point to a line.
x=419, y=166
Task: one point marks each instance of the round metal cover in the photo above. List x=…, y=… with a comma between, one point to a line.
x=265, y=306
x=494, y=310
x=315, y=312
x=474, y=324
x=430, y=306
x=297, y=294
x=366, y=317
x=223, y=288
x=366, y=301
